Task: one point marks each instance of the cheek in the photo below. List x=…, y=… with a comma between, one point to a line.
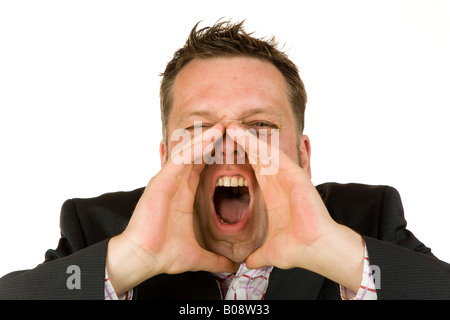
x=285, y=136
x=260, y=220
x=201, y=201
x=289, y=145
x=200, y=217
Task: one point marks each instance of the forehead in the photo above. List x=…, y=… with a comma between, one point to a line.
x=229, y=87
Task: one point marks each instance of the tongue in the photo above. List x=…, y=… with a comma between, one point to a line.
x=231, y=210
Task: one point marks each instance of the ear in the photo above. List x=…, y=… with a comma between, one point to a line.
x=162, y=153
x=305, y=153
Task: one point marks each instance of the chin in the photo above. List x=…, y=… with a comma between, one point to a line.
x=234, y=251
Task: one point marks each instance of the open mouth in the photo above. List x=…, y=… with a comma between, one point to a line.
x=231, y=199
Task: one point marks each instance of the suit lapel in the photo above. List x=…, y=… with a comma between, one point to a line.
x=293, y=284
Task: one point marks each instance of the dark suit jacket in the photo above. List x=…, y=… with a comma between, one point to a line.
x=408, y=270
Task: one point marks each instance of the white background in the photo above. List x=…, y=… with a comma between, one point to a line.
x=79, y=101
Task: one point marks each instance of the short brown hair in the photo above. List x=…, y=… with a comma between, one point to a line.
x=225, y=39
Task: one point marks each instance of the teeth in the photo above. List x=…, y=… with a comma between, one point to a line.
x=231, y=181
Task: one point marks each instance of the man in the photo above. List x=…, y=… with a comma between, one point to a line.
x=226, y=229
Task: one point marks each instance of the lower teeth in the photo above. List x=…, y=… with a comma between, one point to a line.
x=221, y=220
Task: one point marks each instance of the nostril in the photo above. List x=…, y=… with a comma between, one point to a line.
x=240, y=155
x=232, y=151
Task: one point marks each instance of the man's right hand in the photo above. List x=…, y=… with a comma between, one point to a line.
x=160, y=235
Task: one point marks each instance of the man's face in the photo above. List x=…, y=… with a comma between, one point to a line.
x=232, y=221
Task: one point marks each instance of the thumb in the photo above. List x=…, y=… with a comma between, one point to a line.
x=256, y=259
x=213, y=262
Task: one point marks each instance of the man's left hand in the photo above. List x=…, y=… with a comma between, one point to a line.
x=301, y=232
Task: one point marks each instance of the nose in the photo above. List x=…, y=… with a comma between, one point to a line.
x=232, y=152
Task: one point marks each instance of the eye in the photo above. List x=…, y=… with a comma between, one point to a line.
x=199, y=125
x=262, y=128
x=262, y=124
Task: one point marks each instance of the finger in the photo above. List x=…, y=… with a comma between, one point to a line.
x=263, y=156
x=213, y=262
x=256, y=260
x=192, y=150
x=211, y=138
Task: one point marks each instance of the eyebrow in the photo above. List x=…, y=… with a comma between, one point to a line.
x=200, y=113
x=269, y=111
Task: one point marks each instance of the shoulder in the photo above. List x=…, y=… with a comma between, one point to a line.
x=351, y=194
x=99, y=217
x=119, y=200
x=360, y=206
